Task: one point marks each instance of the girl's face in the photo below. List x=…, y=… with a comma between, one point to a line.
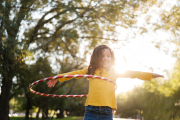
x=106, y=58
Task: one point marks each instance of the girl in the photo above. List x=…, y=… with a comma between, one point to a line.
x=101, y=96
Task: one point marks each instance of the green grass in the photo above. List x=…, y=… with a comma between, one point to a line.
x=16, y=118
x=66, y=118
x=71, y=118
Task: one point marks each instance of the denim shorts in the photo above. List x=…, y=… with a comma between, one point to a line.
x=98, y=113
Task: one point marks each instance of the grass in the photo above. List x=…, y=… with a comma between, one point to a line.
x=16, y=118
x=70, y=118
x=66, y=118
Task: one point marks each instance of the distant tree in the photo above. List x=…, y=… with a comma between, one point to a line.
x=27, y=75
x=167, y=21
x=130, y=104
x=147, y=101
x=156, y=99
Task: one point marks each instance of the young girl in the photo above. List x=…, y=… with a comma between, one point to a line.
x=101, y=96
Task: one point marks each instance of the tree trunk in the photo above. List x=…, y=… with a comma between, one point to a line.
x=44, y=113
x=5, y=95
x=43, y=116
x=61, y=114
x=28, y=106
x=37, y=114
x=8, y=70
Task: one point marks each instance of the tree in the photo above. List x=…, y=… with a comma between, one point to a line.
x=168, y=22
x=130, y=104
x=148, y=101
x=25, y=77
x=60, y=25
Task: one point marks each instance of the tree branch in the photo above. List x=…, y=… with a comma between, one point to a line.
x=41, y=22
x=1, y=27
x=116, y=40
x=55, y=16
x=54, y=36
x=6, y=16
x=21, y=15
x=64, y=11
x=47, y=42
x=70, y=21
x=41, y=38
x=69, y=50
x=43, y=33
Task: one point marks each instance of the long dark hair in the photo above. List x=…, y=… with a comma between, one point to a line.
x=96, y=58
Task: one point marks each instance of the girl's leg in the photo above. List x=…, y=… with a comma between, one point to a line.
x=106, y=113
x=98, y=113
x=90, y=114
x=105, y=117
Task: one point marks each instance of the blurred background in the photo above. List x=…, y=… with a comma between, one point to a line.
x=43, y=38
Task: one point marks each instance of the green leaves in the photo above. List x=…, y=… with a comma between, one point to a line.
x=157, y=99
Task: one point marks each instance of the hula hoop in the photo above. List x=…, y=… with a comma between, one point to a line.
x=66, y=76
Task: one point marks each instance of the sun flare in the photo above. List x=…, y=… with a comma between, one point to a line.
x=139, y=55
x=124, y=84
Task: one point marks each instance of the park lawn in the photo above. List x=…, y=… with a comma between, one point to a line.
x=71, y=118
x=66, y=118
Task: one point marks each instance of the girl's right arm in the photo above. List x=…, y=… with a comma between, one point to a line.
x=52, y=82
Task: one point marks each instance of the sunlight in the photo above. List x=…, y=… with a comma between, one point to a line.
x=139, y=55
x=120, y=66
x=124, y=84
x=121, y=62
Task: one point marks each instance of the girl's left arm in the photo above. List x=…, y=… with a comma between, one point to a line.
x=140, y=75
x=154, y=75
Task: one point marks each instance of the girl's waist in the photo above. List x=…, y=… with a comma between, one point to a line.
x=99, y=107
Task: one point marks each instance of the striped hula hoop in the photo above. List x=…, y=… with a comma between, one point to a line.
x=66, y=76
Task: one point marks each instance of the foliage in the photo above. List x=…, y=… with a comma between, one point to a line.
x=156, y=99
x=150, y=105
x=168, y=13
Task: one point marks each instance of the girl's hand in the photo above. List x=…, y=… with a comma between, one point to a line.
x=51, y=83
x=154, y=75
